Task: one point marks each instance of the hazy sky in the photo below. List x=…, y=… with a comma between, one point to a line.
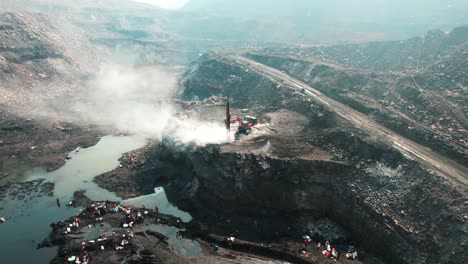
x=170, y=4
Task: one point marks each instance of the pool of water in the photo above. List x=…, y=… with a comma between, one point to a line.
x=158, y=198
x=85, y=164
x=185, y=248
x=28, y=219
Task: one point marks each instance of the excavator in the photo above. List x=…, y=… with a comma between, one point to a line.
x=245, y=124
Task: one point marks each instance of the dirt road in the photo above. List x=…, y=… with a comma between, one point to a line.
x=446, y=167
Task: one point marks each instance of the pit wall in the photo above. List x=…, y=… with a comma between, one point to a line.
x=398, y=210
x=399, y=221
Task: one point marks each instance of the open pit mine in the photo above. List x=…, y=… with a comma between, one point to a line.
x=122, y=140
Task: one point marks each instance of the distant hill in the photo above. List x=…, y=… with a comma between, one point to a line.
x=356, y=11
x=332, y=20
x=255, y=21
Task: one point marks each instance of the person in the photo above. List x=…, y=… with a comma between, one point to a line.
x=87, y=257
x=334, y=253
x=327, y=244
x=144, y=206
x=230, y=240
x=215, y=247
x=354, y=255
x=319, y=245
x=306, y=243
x=156, y=209
x=58, y=202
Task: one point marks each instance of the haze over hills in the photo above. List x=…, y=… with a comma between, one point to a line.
x=335, y=20
x=298, y=21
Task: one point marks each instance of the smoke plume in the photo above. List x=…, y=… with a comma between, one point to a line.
x=138, y=101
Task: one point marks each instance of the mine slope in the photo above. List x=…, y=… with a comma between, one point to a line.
x=415, y=87
x=302, y=161
x=388, y=197
x=430, y=159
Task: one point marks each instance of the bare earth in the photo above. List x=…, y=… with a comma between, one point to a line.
x=449, y=169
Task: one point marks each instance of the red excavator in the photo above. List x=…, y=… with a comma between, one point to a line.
x=245, y=124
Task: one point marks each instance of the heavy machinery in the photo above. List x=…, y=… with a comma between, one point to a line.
x=245, y=124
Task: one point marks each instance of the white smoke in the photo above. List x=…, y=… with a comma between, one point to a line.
x=200, y=133
x=138, y=101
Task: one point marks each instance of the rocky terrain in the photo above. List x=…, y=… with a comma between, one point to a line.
x=36, y=53
x=392, y=87
x=394, y=205
x=409, y=54
x=158, y=238
x=358, y=144
x=306, y=162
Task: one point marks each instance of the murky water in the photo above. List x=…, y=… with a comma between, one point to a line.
x=85, y=164
x=158, y=198
x=29, y=218
x=183, y=247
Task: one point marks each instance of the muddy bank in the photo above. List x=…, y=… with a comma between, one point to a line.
x=26, y=191
x=28, y=143
x=101, y=236
x=157, y=238
x=107, y=240
x=130, y=163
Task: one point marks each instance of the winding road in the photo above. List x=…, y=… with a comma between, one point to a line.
x=449, y=169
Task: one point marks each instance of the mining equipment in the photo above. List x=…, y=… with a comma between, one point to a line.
x=245, y=123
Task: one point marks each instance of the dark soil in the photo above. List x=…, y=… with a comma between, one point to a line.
x=148, y=246
x=27, y=143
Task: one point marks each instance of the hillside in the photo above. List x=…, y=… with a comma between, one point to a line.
x=37, y=53
x=421, y=97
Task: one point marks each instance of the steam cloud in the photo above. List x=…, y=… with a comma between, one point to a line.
x=137, y=101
